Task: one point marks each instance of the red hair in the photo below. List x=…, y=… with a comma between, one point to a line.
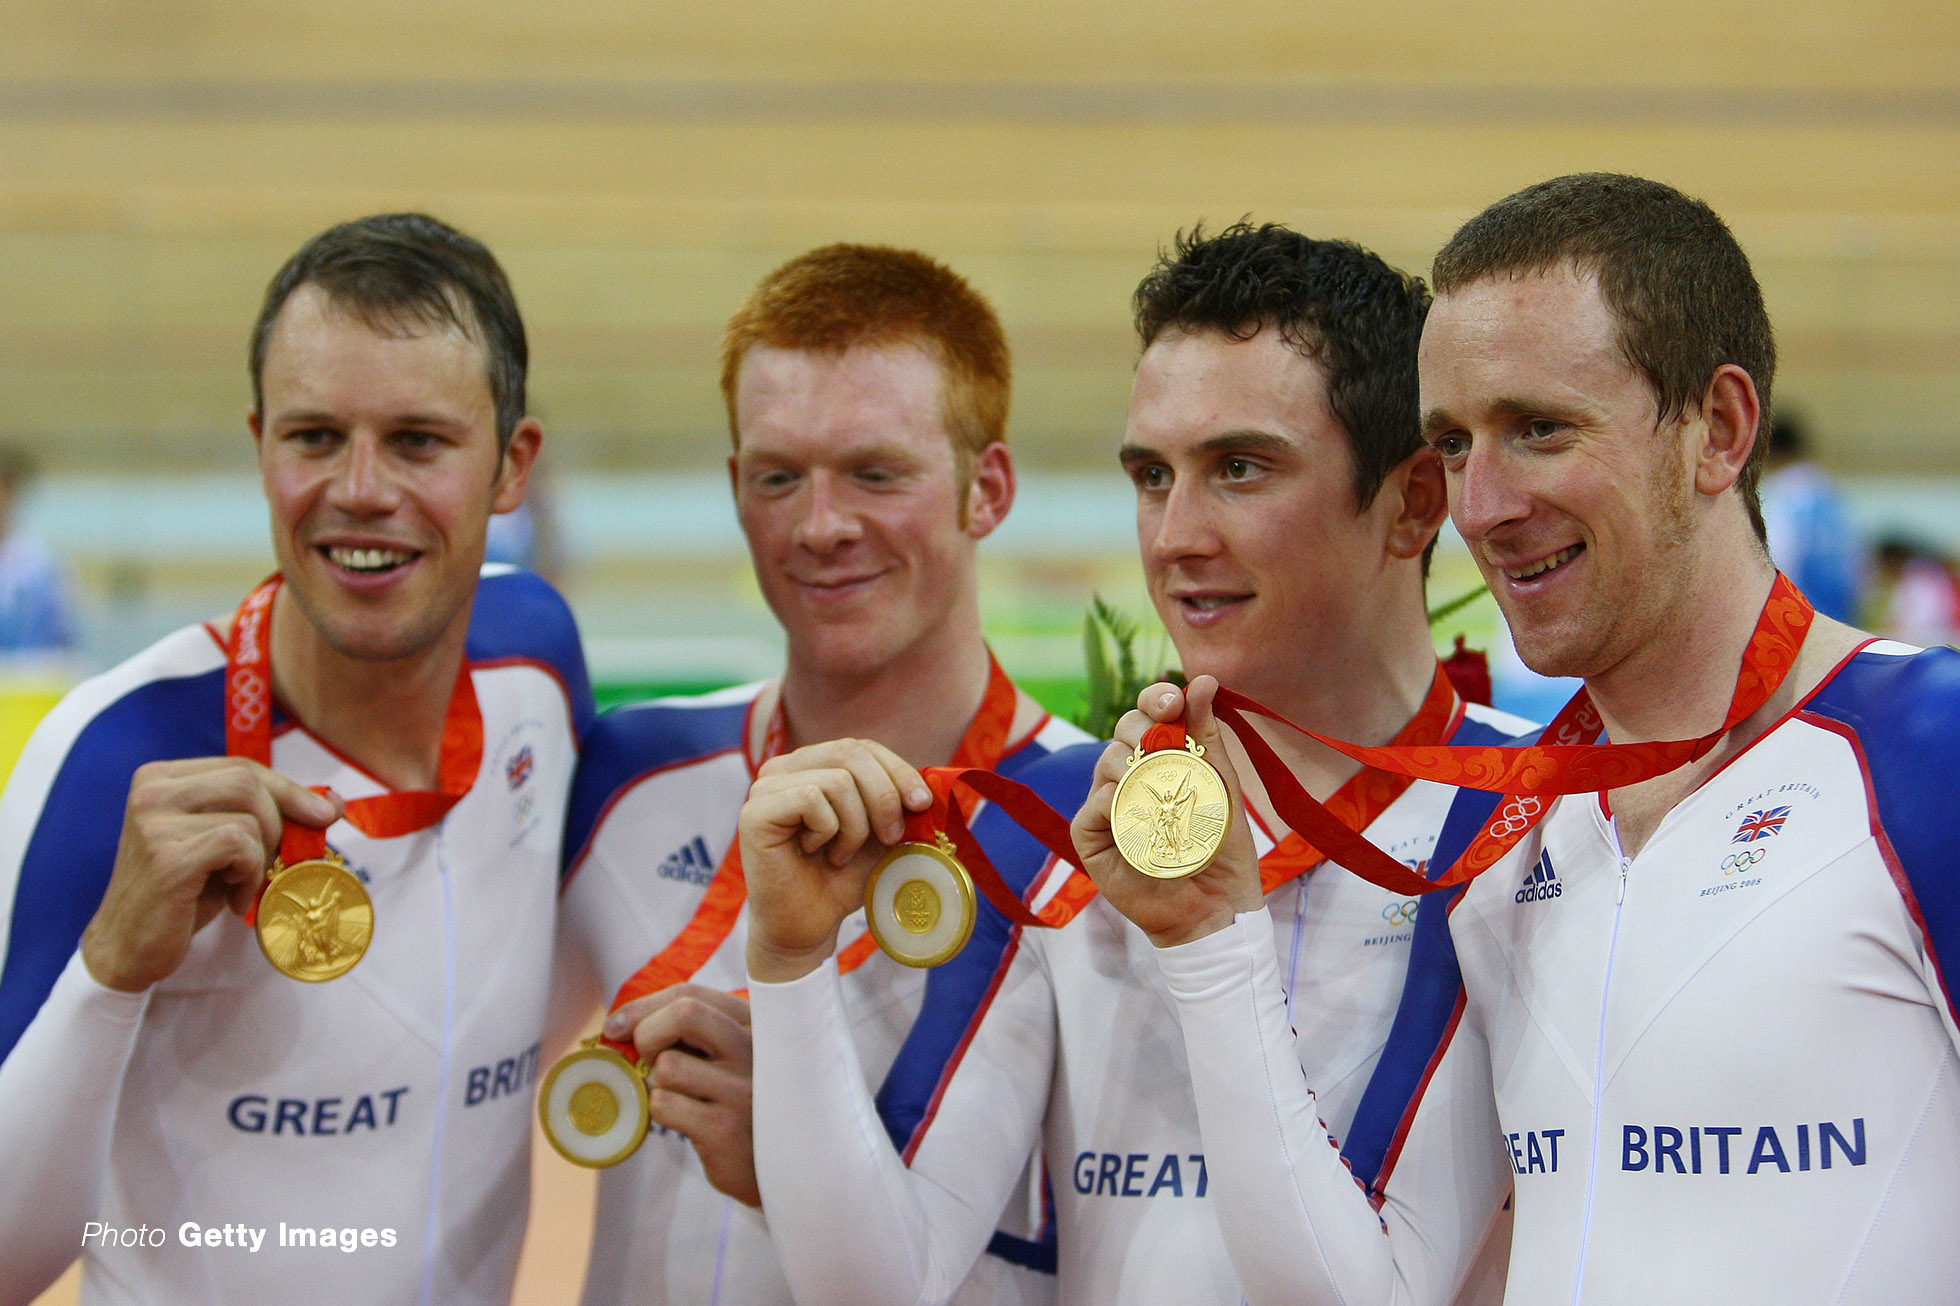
x=842, y=296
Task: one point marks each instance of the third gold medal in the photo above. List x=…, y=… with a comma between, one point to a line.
x=920, y=903
x=1171, y=810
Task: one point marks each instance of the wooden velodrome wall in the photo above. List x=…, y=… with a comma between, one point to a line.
x=638, y=165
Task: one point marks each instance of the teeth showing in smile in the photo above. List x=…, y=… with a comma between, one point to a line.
x=1210, y=602
x=367, y=559
x=1544, y=565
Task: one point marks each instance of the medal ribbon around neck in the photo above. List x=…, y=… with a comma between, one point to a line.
x=1365, y=796
x=980, y=750
x=248, y=733
x=1370, y=791
x=1527, y=776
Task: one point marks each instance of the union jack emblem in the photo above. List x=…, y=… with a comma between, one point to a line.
x=518, y=769
x=1761, y=825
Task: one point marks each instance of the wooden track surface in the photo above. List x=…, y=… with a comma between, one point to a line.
x=639, y=166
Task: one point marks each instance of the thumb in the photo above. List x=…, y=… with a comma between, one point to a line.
x=306, y=806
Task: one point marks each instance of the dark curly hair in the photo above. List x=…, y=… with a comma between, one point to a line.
x=1333, y=301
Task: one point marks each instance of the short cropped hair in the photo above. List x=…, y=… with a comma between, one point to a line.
x=397, y=272
x=1331, y=300
x=1669, y=270
x=842, y=296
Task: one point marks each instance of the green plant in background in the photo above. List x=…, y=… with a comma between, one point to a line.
x=1109, y=640
x=1109, y=655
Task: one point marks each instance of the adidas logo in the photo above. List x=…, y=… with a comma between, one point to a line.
x=689, y=863
x=1541, y=885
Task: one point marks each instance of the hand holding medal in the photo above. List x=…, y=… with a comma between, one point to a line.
x=313, y=916
x=195, y=838
x=1161, y=833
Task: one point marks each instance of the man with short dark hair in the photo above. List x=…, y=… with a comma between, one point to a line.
x=867, y=394
x=1284, y=510
x=1698, y=1019
x=369, y=763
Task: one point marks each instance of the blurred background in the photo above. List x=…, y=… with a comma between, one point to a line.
x=638, y=165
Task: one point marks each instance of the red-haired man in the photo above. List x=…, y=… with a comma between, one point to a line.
x=867, y=393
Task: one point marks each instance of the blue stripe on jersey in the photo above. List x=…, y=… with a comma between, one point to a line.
x=1429, y=996
x=1042, y=1256
x=955, y=990
x=73, y=848
x=1905, y=712
x=627, y=742
x=519, y=615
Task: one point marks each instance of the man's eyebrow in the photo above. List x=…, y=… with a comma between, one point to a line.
x=1245, y=441
x=316, y=417
x=1249, y=441
x=1437, y=419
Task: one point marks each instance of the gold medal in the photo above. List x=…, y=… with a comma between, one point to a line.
x=920, y=904
x=1170, y=811
x=315, y=919
x=593, y=1107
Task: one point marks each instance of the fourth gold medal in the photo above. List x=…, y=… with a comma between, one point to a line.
x=1170, y=810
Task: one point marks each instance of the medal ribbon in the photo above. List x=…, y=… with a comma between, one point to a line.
x=980, y=750
x=1365, y=796
x=1527, y=776
x=248, y=733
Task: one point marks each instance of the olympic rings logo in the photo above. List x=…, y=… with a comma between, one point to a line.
x=1735, y=862
x=1516, y=816
x=247, y=700
x=1401, y=913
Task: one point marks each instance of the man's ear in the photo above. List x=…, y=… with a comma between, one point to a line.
x=1730, y=412
x=514, y=471
x=1421, y=502
x=990, y=492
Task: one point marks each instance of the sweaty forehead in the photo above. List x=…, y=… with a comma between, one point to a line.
x=1192, y=388
x=1518, y=340
x=317, y=353
x=866, y=392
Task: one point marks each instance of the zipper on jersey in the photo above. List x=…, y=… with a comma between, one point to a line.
x=1599, y=1068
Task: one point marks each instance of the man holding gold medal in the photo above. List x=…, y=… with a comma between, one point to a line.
x=1285, y=511
x=369, y=763
x=867, y=393
x=1681, y=991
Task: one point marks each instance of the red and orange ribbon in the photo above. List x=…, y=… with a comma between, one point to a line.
x=1365, y=796
x=1527, y=776
x=980, y=748
x=248, y=733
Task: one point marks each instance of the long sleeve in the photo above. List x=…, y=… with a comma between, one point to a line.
x=58, y=1094
x=853, y=1224
x=1299, y=1228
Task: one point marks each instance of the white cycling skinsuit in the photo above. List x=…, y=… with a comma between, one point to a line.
x=1720, y=1071
x=235, y=1136
x=1078, y=1048
x=653, y=813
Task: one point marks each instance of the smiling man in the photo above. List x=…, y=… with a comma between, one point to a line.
x=1285, y=511
x=867, y=393
x=362, y=1135
x=1700, y=1020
